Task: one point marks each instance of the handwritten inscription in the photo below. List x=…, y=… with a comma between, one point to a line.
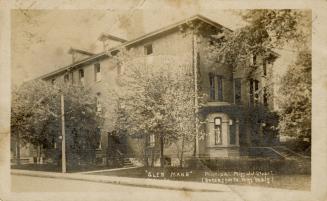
x=238, y=177
x=162, y=174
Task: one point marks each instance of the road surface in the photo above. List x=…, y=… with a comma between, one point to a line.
x=38, y=184
x=98, y=191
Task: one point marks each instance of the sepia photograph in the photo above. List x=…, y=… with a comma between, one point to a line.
x=192, y=103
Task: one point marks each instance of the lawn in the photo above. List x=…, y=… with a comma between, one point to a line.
x=256, y=178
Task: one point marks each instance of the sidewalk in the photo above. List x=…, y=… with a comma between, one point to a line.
x=149, y=183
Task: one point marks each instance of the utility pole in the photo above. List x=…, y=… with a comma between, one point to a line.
x=63, y=136
x=195, y=71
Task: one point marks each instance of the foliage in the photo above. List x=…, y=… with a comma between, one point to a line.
x=265, y=30
x=295, y=98
x=36, y=115
x=156, y=99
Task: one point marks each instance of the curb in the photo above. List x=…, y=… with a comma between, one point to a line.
x=148, y=183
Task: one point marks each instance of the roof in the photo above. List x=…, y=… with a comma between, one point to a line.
x=104, y=37
x=73, y=50
x=134, y=41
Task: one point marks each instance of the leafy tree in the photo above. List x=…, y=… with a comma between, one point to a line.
x=36, y=115
x=265, y=31
x=295, y=98
x=156, y=99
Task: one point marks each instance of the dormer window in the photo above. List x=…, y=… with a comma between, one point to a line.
x=148, y=49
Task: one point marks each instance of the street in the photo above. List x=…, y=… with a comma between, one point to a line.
x=21, y=184
x=39, y=184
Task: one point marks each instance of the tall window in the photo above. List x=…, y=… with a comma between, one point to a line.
x=212, y=86
x=148, y=49
x=98, y=106
x=237, y=91
x=265, y=97
x=264, y=67
x=253, y=59
x=81, y=75
x=254, y=92
x=216, y=87
x=97, y=72
x=217, y=130
x=151, y=140
x=232, y=132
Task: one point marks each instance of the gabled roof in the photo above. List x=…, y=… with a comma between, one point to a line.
x=104, y=37
x=134, y=41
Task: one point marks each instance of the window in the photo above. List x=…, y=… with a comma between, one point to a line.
x=232, y=132
x=237, y=91
x=53, y=81
x=254, y=92
x=81, y=75
x=98, y=137
x=97, y=72
x=217, y=130
x=148, y=49
x=212, y=86
x=66, y=78
x=216, y=87
x=254, y=59
x=265, y=97
x=264, y=67
x=72, y=77
x=220, y=87
x=151, y=141
x=98, y=106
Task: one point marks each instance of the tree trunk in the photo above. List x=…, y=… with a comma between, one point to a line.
x=18, y=149
x=152, y=156
x=182, y=154
x=162, y=151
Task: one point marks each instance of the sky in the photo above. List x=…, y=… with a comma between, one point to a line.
x=41, y=38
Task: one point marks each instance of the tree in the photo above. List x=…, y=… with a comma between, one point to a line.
x=36, y=115
x=156, y=99
x=265, y=31
x=295, y=98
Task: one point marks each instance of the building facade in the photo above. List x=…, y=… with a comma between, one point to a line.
x=230, y=92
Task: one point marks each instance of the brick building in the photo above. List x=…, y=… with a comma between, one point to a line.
x=231, y=93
